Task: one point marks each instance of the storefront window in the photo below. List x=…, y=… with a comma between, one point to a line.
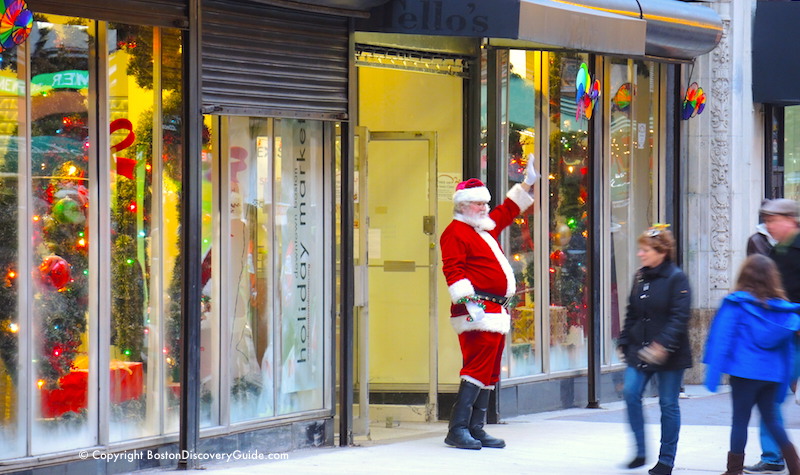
x=12, y=324
x=524, y=356
x=568, y=210
x=791, y=150
x=276, y=251
x=145, y=219
x=299, y=241
x=60, y=182
x=632, y=98
x=250, y=299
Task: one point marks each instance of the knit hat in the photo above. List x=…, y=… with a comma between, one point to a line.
x=780, y=206
x=471, y=190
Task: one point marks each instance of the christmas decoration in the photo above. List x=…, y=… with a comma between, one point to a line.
x=68, y=211
x=623, y=97
x=586, y=93
x=694, y=102
x=15, y=24
x=55, y=272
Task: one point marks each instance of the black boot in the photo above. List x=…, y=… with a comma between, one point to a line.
x=458, y=435
x=735, y=464
x=478, y=419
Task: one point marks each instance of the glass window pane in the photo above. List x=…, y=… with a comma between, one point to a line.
x=633, y=96
x=60, y=183
x=248, y=158
x=568, y=181
x=524, y=357
x=300, y=240
x=12, y=114
x=791, y=150
x=133, y=412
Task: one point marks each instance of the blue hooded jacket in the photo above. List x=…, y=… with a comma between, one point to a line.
x=752, y=339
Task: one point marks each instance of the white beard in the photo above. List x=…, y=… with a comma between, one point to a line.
x=480, y=221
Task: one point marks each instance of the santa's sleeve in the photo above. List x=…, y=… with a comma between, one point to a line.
x=454, y=261
x=517, y=201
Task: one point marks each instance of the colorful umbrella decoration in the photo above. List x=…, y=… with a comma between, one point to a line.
x=694, y=102
x=15, y=24
x=622, y=99
x=586, y=93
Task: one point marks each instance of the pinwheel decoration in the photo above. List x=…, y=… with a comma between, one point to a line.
x=694, y=102
x=586, y=93
x=622, y=99
x=15, y=24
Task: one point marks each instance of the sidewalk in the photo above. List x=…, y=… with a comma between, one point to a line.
x=573, y=441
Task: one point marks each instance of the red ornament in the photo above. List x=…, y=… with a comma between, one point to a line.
x=558, y=257
x=55, y=271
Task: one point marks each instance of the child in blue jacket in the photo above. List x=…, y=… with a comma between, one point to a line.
x=752, y=340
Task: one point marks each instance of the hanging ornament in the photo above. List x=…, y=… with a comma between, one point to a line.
x=15, y=24
x=586, y=93
x=693, y=102
x=68, y=171
x=68, y=211
x=558, y=257
x=55, y=271
x=622, y=99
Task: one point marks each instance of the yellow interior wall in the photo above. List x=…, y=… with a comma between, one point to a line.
x=395, y=100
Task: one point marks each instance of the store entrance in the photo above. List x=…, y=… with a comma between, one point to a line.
x=397, y=265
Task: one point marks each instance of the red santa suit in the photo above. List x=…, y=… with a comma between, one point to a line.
x=472, y=260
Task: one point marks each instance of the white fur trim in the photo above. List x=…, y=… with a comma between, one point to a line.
x=479, y=194
x=511, y=282
x=460, y=289
x=492, y=322
x=472, y=381
x=490, y=387
x=522, y=198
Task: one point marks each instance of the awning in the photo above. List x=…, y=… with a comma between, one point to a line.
x=668, y=29
x=543, y=24
x=675, y=29
x=776, y=58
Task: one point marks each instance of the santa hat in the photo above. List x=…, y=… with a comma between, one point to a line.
x=471, y=190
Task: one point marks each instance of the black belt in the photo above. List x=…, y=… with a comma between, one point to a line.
x=498, y=299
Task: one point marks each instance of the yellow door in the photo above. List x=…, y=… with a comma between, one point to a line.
x=398, y=332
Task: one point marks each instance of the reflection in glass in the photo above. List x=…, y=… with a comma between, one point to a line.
x=632, y=93
x=568, y=181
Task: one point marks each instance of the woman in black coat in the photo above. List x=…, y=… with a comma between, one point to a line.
x=655, y=342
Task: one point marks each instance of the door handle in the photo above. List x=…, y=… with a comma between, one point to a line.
x=429, y=225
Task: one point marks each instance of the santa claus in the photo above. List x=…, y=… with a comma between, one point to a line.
x=481, y=281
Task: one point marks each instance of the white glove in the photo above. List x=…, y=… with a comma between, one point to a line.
x=476, y=313
x=531, y=175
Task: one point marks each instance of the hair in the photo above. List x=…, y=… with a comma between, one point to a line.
x=662, y=242
x=759, y=276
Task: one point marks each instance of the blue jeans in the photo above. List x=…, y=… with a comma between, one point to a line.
x=770, y=451
x=669, y=387
x=745, y=393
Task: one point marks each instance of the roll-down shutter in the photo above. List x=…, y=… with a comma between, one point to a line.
x=269, y=61
x=165, y=13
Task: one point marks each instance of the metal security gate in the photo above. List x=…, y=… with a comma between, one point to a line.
x=269, y=61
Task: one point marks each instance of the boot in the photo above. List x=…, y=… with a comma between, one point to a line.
x=478, y=419
x=790, y=457
x=735, y=464
x=458, y=435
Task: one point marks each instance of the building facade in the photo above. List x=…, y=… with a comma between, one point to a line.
x=222, y=216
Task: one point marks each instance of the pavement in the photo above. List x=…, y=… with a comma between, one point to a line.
x=571, y=441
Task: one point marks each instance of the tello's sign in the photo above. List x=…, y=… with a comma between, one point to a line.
x=496, y=18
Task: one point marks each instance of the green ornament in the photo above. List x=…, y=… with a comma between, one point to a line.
x=68, y=211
